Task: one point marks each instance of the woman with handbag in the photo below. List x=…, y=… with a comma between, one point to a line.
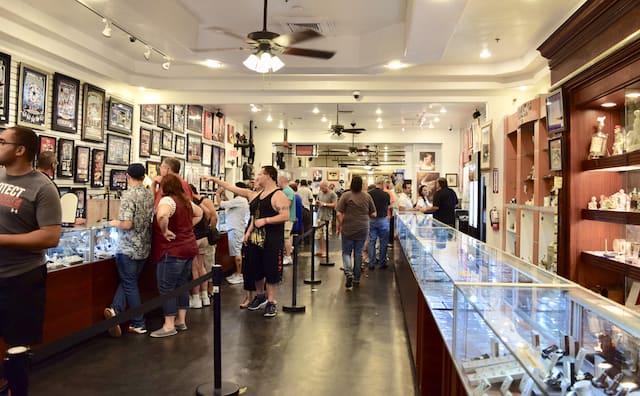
x=205, y=259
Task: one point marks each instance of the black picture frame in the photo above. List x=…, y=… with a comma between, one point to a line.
x=148, y=113
x=81, y=193
x=97, y=167
x=555, y=154
x=65, y=158
x=179, y=117
x=156, y=142
x=120, y=116
x=118, y=150
x=118, y=180
x=167, y=140
x=145, y=143
x=93, y=113
x=33, y=84
x=5, y=86
x=153, y=169
x=165, y=116
x=194, y=148
x=46, y=143
x=66, y=97
x=180, y=144
x=194, y=118
x=82, y=162
x=556, y=117
x=207, y=154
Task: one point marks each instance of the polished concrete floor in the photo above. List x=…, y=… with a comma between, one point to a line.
x=345, y=343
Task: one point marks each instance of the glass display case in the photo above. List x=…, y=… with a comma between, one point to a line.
x=82, y=245
x=513, y=328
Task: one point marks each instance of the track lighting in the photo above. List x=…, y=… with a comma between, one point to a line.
x=147, y=52
x=167, y=63
x=106, y=32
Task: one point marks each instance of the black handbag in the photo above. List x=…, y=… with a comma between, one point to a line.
x=213, y=235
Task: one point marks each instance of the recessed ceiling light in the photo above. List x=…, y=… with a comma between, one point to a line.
x=395, y=65
x=142, y=88
x=323, y=119
x=436, y=119
x=608, y=104
x=443, y=109
x=402, y=129
x=315, y=110
x=378, y=119
x=269, y=118
x=431, y=126
x=214, y=64
x=523, y=87
x=379, y=126
x=378, y=111
x=485, y=54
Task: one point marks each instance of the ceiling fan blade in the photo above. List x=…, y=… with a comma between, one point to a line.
x=287, y=40
x=198, y=50
x=354, y=131
x=221, y=30
x=311, y=53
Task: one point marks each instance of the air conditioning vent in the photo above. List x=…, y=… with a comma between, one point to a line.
x=320, y=26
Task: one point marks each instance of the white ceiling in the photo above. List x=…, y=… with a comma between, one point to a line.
x=440, y=40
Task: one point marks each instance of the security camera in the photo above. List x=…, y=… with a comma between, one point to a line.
x=132, y=39
x=450, y=128
x=357, y=95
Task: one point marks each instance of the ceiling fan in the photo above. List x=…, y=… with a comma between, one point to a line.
x=338, y=129
x=264, y=41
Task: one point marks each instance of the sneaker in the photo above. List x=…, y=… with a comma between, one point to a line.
x=136, y=330
x=206, y=301
x=161, y=333
x=114, y=331
x=270, y=310
x=259, y=302
x=195, y=301
x=287, y=260
x=349, y=284
x=235, y=279
x=181, y=326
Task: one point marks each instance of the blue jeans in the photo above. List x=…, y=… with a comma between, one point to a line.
x=378, y=229
x=349, y=246
x=173, y=272
x=127, y=293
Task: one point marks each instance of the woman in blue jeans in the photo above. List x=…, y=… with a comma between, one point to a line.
x=174, y=247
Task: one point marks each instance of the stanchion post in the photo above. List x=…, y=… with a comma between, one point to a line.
x=327, y=263
x=293, y=308
x=218, y=388
x=313, y=280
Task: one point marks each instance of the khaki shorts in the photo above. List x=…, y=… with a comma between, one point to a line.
x=321, y=231
x=288, y=226
x=208, y=251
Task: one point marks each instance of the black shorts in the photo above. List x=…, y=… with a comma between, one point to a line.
x=263, y=263
x=22, y=299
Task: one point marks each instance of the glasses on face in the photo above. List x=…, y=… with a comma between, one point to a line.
x=3, y=142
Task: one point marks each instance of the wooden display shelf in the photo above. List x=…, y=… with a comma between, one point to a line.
x=612, y=163
x=611, y=216
x=612, y=265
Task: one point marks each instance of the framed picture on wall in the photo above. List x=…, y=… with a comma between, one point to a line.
x=165, y=116
x=32, y=97
x=93, y=114
x=167, y=140
x=180, y=144
x=153, y=169
x=145, y=142
x=194, y=148
x=223, y=160
x=452, y=179
x=485, y=146
x=46, y=143
x=179, y=117
x=82, y=164
x=81, y=193
x=120, y=116
x=65, y=157
x=156, y=142
x=218, y=128
x=5, y=85
x=97, y=168
x=215, y=160
x=194, y=118
x=148, y=113
x=118, y=180
x=206, y=154
x=66, y=96
x=207, y=132
x=333, y=174
x=555, y=112
x=118, y=150
x=555, y=154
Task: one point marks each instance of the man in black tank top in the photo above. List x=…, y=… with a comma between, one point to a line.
x=269, y=212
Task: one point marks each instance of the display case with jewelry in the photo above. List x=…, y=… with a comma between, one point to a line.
x=82, y=245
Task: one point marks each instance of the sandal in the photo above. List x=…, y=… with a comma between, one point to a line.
x=245, y=303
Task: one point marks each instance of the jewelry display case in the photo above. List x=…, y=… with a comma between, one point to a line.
x=509, y=327
x=83, y=245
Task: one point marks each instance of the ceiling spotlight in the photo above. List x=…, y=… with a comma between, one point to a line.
x=443, y=110
x=431, y=126
x=378, y=119
x=167, y=63
x=485, y=54
x=147, y=52
x=315, y=110
x=106, y=32
x=436, y=119
x=608, y=104
x=378, y=111
x=269, y=118
x=323, y=119
x=379, y=126
x=402, y=129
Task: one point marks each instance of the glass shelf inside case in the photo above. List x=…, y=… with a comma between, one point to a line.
x=82, y=245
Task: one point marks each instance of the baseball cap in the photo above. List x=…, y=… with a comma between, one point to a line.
x=136, y=171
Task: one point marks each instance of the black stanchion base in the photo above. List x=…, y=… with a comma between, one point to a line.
x=312, y=282
x=328, y=264
x=293, y=309
x=227, y=389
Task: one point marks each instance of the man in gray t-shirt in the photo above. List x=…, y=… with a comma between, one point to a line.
x=30, y=223
x=326, y=202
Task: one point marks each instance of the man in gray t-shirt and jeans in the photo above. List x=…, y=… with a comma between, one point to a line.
x=30, y=223
x=326, y=202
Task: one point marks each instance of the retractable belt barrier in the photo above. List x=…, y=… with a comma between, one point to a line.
x=293, y=308
x=327, y=263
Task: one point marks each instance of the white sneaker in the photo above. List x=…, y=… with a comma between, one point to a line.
x=195, y=301
x=235, y=279
x=204, y=297
x=287, y=260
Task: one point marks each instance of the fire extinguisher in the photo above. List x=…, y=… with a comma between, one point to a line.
x=494, y=217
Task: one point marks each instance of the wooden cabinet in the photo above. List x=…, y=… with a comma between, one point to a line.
x=530, y=231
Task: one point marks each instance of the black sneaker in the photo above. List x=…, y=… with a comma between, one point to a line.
x=349, y=284
x=259, y=302
x=270, y=310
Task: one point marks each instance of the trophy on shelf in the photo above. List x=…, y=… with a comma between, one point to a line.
x=598, y=147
